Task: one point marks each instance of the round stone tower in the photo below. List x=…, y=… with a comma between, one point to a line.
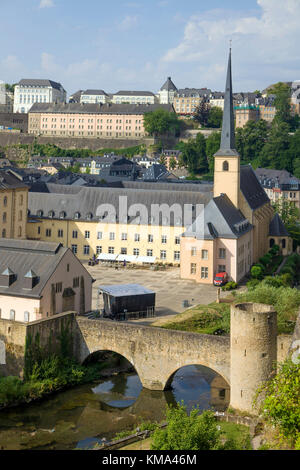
x=253, y=350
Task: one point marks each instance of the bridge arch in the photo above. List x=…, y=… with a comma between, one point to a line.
x=173, y=373
x=155, y=353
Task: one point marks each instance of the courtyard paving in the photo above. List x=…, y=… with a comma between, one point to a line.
x=170, y=290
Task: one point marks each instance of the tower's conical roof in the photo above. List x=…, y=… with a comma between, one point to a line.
x=228, y=135
x=168, y=85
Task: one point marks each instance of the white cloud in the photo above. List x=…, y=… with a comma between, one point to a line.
x=264, y=44
x=46, y=4
x=128, y=22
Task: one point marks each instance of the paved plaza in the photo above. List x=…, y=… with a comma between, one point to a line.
x=170, y=290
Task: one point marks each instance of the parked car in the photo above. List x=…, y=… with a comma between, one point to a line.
x=220, y=279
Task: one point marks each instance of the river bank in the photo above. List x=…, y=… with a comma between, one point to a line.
x=14, y=392
x=90, y=414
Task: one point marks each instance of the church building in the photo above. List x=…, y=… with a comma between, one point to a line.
x=237, y=226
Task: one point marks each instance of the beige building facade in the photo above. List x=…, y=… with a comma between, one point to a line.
x=13, y=206
x=123, y=121
x=38, y=280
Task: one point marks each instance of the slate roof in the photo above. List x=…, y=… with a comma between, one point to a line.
x=193, y=92
x=39, y=82
x=277, y=228
x=94, y=92
x=155, y=172
x=134, y=93
x=270, y=178
x=228, y=135
x=251, y=188
x=10, y=181
x=24, y=256
x=86, y=200
x=219, y=219
x=168, y=85
x=97, y=108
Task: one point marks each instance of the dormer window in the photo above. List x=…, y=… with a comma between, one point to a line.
x=225, y=166
x=77, y=215
x=89, y=216
x=62, y=215
x=30, y=280
x=40, y=213
x=7, y=278
x=51, y=214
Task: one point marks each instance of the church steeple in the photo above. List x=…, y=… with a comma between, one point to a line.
x=228, y=135
x=227, y=159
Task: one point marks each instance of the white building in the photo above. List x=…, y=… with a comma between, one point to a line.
x=94, y=96
x=30, y=91
x=167, y=92
x=134, y=97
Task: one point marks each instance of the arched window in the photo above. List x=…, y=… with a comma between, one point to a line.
x=20, y=232
x=20, y=216
x=21, y=200
x=5, y=201
x=283, y=243
x=4, y=233
x=12, y=314
x=225, y=166
x=272, y=242
x=4, y=217
x=26, y=317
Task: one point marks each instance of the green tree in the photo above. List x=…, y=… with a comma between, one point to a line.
x=215, y=117
x=213, y=143
x=162, y=160
x=194, y=155
x=201, y=113
x=295, y=152
x=161, y=122
x=9, y=87
x=251, y=139
x=276, y=152
x=184, y=432
x=281, y=402
x=282, y=103
x=289, y=214
x=173, y=163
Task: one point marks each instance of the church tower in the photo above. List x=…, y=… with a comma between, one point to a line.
x=227, y=159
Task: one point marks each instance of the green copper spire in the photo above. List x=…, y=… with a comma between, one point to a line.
x=228, y=135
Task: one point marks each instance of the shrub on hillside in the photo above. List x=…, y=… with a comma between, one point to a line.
x=230, y=286
x=257, y=272
x=280, y=405
x=285, y=300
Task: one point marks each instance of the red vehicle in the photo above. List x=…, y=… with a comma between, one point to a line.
x=220, y=279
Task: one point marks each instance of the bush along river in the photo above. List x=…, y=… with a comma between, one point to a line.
x=90, y=414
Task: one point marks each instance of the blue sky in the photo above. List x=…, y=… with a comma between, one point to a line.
x=136, y=44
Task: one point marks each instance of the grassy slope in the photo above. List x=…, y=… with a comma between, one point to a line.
x=203, y=319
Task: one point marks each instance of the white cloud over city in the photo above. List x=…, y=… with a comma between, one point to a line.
x=137, y=51
x=46, y=4
x=263, y=43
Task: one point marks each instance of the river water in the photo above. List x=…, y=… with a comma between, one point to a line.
x=92, y=413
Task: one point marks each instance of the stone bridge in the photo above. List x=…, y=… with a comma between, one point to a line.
x=155, y=353
x=244, y=360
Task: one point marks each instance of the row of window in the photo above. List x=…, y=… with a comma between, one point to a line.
x=12, y=315
x=124, y=251
x=20, y=200
x=112, y=236
x=204, y=253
